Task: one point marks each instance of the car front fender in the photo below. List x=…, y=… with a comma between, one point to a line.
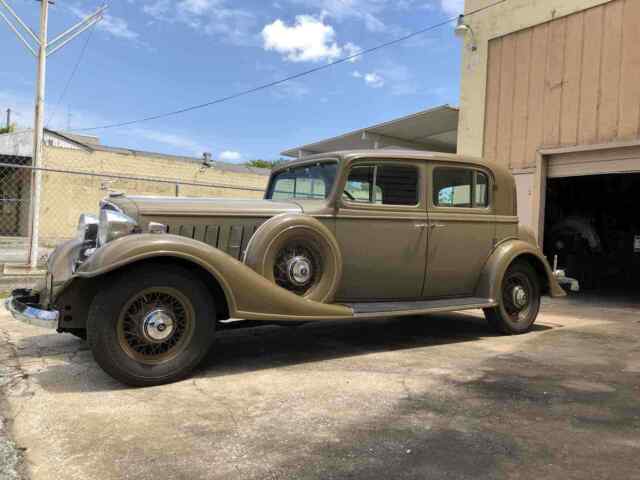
x=490, y=282
x=249, y=295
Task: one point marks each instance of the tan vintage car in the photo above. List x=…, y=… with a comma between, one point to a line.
x=342, y=236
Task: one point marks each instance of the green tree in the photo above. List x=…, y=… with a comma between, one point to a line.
x=263, y=163
x=11, y=128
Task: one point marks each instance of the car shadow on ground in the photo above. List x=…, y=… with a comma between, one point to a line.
x=275, y=346
x=271, y=346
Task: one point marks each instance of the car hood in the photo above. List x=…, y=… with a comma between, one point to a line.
x=137, y=207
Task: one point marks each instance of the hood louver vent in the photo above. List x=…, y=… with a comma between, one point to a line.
x=231, y=239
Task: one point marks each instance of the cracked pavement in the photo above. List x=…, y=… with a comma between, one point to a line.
x=430, y=397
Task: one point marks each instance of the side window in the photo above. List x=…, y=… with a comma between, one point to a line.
x=383, y=185
x=452, y=187
x=482, y=190
x=460, y=187
x=359, y=186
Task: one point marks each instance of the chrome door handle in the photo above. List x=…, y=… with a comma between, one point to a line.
x=437, y=225
x=420, y=225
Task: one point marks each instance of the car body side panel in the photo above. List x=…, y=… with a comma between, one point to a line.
x=459, y=245
x=490, y=282
x=249, y=295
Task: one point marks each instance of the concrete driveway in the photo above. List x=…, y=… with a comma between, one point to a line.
x=431, y=397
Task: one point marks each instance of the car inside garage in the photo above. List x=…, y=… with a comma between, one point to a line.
x=592, y=224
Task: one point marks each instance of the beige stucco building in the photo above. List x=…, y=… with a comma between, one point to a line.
x=551, y=88
x=79, y=172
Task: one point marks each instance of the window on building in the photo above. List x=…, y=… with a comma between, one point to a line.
x=383, y=184
x=460, y=187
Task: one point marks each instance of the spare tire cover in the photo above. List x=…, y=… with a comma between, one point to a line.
x=298, y=253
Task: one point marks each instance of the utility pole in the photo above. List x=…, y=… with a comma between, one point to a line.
x=41, y=51
x=8, y=118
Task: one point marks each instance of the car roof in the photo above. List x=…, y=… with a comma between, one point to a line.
x=504, y=187
x=398, y=154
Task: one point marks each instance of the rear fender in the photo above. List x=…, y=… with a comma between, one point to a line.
x=249, y=295
x=490, y=282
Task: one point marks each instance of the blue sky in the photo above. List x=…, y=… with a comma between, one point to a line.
x=151, y=56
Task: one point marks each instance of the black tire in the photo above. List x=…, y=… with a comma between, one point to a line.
x=80, y=333
x=511, y=317
x=120, y=326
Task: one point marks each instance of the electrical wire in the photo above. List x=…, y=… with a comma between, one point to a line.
x=71, y=77
x=73, y=73
x=304, y=73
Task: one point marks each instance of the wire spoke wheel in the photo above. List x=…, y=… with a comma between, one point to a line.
x=298, y=267
x=155, y=325
x=517, y=293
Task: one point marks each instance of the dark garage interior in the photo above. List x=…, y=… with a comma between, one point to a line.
x=592, y=223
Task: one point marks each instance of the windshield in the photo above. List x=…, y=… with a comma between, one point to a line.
x=305, y=182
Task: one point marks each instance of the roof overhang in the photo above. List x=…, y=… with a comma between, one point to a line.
x=435, y=129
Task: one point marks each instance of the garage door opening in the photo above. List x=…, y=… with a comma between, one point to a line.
x=592, y=223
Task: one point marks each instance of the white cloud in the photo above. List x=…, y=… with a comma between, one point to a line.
x=231, y=156
x=157, y=140
x=397, y=78
x=371, y=79
x=368, y=11
x=177, y=141
x=211, y=17
x=309, y=39
x=157, y=8
x=352, y=49
x=374, y=80
x=115, y=26
x=452, y=7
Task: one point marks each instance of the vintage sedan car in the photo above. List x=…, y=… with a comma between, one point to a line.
x=342, y=236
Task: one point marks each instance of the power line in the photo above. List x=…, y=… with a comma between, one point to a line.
x=71, y=77
x=305, y=73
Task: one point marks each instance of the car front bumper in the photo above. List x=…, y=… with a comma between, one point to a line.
x=23, y=306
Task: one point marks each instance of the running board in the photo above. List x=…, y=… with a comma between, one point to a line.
x=398, y=309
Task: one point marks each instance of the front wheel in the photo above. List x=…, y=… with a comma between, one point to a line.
x=519, y=301
x=152, y=325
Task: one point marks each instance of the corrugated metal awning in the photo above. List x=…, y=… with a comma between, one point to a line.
x=435, y=129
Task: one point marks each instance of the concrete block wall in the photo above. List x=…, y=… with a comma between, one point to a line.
x=67, y=195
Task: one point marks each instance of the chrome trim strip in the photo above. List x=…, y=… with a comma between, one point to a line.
x=32, y=315
x=110, y=206
x=404, y=313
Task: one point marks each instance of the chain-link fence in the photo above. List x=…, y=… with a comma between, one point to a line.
x=74, y=180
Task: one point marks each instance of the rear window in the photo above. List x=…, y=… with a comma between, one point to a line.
x=460, y=187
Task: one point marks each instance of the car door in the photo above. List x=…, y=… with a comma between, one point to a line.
x=381, y=228
x=461, y=229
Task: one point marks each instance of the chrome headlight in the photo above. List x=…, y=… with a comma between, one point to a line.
x=114, y=225
x=88, y=228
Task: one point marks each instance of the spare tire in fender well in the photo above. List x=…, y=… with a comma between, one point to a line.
x=305, y=236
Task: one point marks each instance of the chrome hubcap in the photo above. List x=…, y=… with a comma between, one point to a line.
x=299, y=270
x=158, y=325
x=519, y=296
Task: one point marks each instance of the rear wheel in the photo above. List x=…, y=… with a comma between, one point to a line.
x=519, y=301
x=151, y=326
